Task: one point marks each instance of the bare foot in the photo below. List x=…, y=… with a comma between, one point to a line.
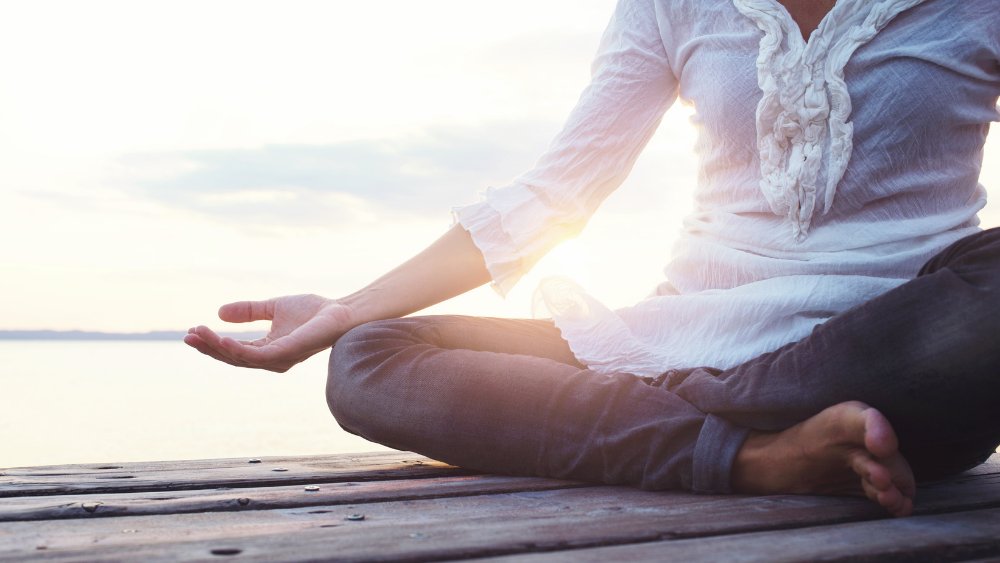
x=848, y=448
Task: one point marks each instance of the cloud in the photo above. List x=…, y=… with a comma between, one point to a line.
x=307, y=184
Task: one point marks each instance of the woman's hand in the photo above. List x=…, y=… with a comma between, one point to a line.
x=301, y=325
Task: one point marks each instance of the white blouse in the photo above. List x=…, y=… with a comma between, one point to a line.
x=830, y=169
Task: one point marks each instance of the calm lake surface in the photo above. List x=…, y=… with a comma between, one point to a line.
x=94, y=401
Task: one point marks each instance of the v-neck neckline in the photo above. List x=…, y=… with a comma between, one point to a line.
x=793, y=24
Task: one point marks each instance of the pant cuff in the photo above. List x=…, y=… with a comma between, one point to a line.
x=714, y=453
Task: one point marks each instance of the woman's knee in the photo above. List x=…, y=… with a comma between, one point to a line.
x=975, y=258
x=353, y=359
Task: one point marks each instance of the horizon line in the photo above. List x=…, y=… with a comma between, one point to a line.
x=51, y=334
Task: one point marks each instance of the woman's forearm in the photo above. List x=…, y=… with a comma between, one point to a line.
x=302, y=325
x=448, y=267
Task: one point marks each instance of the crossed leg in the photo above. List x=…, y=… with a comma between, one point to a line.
x=507, y=396
x=925, y=355
x=846, y=449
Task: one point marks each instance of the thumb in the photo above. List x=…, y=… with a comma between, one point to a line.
x=246, y=311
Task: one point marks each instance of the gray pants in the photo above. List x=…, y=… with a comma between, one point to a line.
x=507, y=395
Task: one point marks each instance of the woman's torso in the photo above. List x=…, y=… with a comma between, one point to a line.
x=891, y=99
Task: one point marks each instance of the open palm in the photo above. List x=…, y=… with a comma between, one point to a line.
x=301, y=325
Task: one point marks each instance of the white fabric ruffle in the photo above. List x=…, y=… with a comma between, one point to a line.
x=802, y=118
x=513, y=229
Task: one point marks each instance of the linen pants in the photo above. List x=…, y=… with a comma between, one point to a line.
x=507, y=395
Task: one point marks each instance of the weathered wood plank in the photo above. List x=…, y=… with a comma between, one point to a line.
x=236, y=472
x=54, y=507
x=941, y=537
x=409, y=526
x=968, y=492
x=431, y=529
x=459, y=527
x=483, y=536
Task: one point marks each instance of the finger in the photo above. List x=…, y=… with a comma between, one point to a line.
x=271, y=357
x=247, y=311
x=247, y=352
x=197, y=343
x=206, y=334
x=213, y=342
x=280, y=354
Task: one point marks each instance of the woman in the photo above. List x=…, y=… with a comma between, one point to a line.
x=833, y=275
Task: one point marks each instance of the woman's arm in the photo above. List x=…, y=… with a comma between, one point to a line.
x=448, y=267
x=631, y=86
x=302, y=325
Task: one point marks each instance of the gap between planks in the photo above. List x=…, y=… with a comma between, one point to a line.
x=451, y=527
x=599, y=516
x=233, y=473
x=729, y=525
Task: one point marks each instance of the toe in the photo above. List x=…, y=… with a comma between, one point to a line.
x=902, y=475
x=870, y=491
x=906, y=509
x=891, y=500
x=880, y=438
x=870, y=471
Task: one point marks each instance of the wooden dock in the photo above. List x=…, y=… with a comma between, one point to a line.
x=398, y=506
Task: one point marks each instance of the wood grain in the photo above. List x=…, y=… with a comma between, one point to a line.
x=53, y=507
x=198, y=474
x=443, y=528
x=451, y=527
x=944, y=537
x=404, y=507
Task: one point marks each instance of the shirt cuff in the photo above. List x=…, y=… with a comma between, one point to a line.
x=484, y=225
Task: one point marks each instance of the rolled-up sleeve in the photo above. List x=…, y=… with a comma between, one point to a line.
x=631, y=87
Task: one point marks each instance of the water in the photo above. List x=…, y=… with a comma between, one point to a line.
x=85, y=401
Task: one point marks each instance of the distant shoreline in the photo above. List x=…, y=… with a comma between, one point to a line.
x=95, y=335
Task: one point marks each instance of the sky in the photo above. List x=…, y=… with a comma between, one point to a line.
x=159, y=159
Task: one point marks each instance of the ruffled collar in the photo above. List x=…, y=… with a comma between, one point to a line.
x=802, y=117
